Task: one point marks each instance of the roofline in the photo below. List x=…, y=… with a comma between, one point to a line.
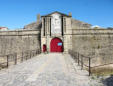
x=48, y=15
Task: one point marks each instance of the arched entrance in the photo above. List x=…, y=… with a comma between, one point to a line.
x=56, y=45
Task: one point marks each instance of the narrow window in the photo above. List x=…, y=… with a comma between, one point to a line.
x=50, y=26
x=44, y=26
x=62, y=25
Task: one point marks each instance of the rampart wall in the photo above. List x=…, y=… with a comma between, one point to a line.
x=94, y=43
x=18, y=41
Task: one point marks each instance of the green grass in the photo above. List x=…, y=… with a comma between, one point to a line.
x=104, y=71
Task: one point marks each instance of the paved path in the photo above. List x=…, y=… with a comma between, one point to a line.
x=44, y=70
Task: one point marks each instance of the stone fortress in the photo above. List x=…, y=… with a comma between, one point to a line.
x=58, y=32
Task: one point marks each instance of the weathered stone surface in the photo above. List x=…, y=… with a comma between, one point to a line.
x=97, y=44
x=76, y=24
x=34, y=25
x=19, y=41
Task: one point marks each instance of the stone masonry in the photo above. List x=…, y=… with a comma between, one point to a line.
x=19, y=41
x=76, y=36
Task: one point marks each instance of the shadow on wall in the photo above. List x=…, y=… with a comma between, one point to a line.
x=108, y=81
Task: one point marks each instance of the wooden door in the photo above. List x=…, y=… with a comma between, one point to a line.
x=56, y=45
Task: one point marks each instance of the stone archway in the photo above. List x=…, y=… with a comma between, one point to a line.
x=56, y=45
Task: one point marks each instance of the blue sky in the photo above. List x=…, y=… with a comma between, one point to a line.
x=17, y=13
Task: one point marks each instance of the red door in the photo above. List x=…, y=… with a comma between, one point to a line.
x=44, y=48
x=56, y=45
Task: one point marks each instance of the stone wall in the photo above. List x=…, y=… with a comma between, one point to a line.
x=19, y=41
x=94, y=43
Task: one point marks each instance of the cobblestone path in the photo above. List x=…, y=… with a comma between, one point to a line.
x=43, y=70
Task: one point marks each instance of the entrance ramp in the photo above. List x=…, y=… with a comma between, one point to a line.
x=54, y=69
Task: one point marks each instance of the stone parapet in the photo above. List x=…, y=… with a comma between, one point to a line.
x=19, y=32
x=91, y=31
